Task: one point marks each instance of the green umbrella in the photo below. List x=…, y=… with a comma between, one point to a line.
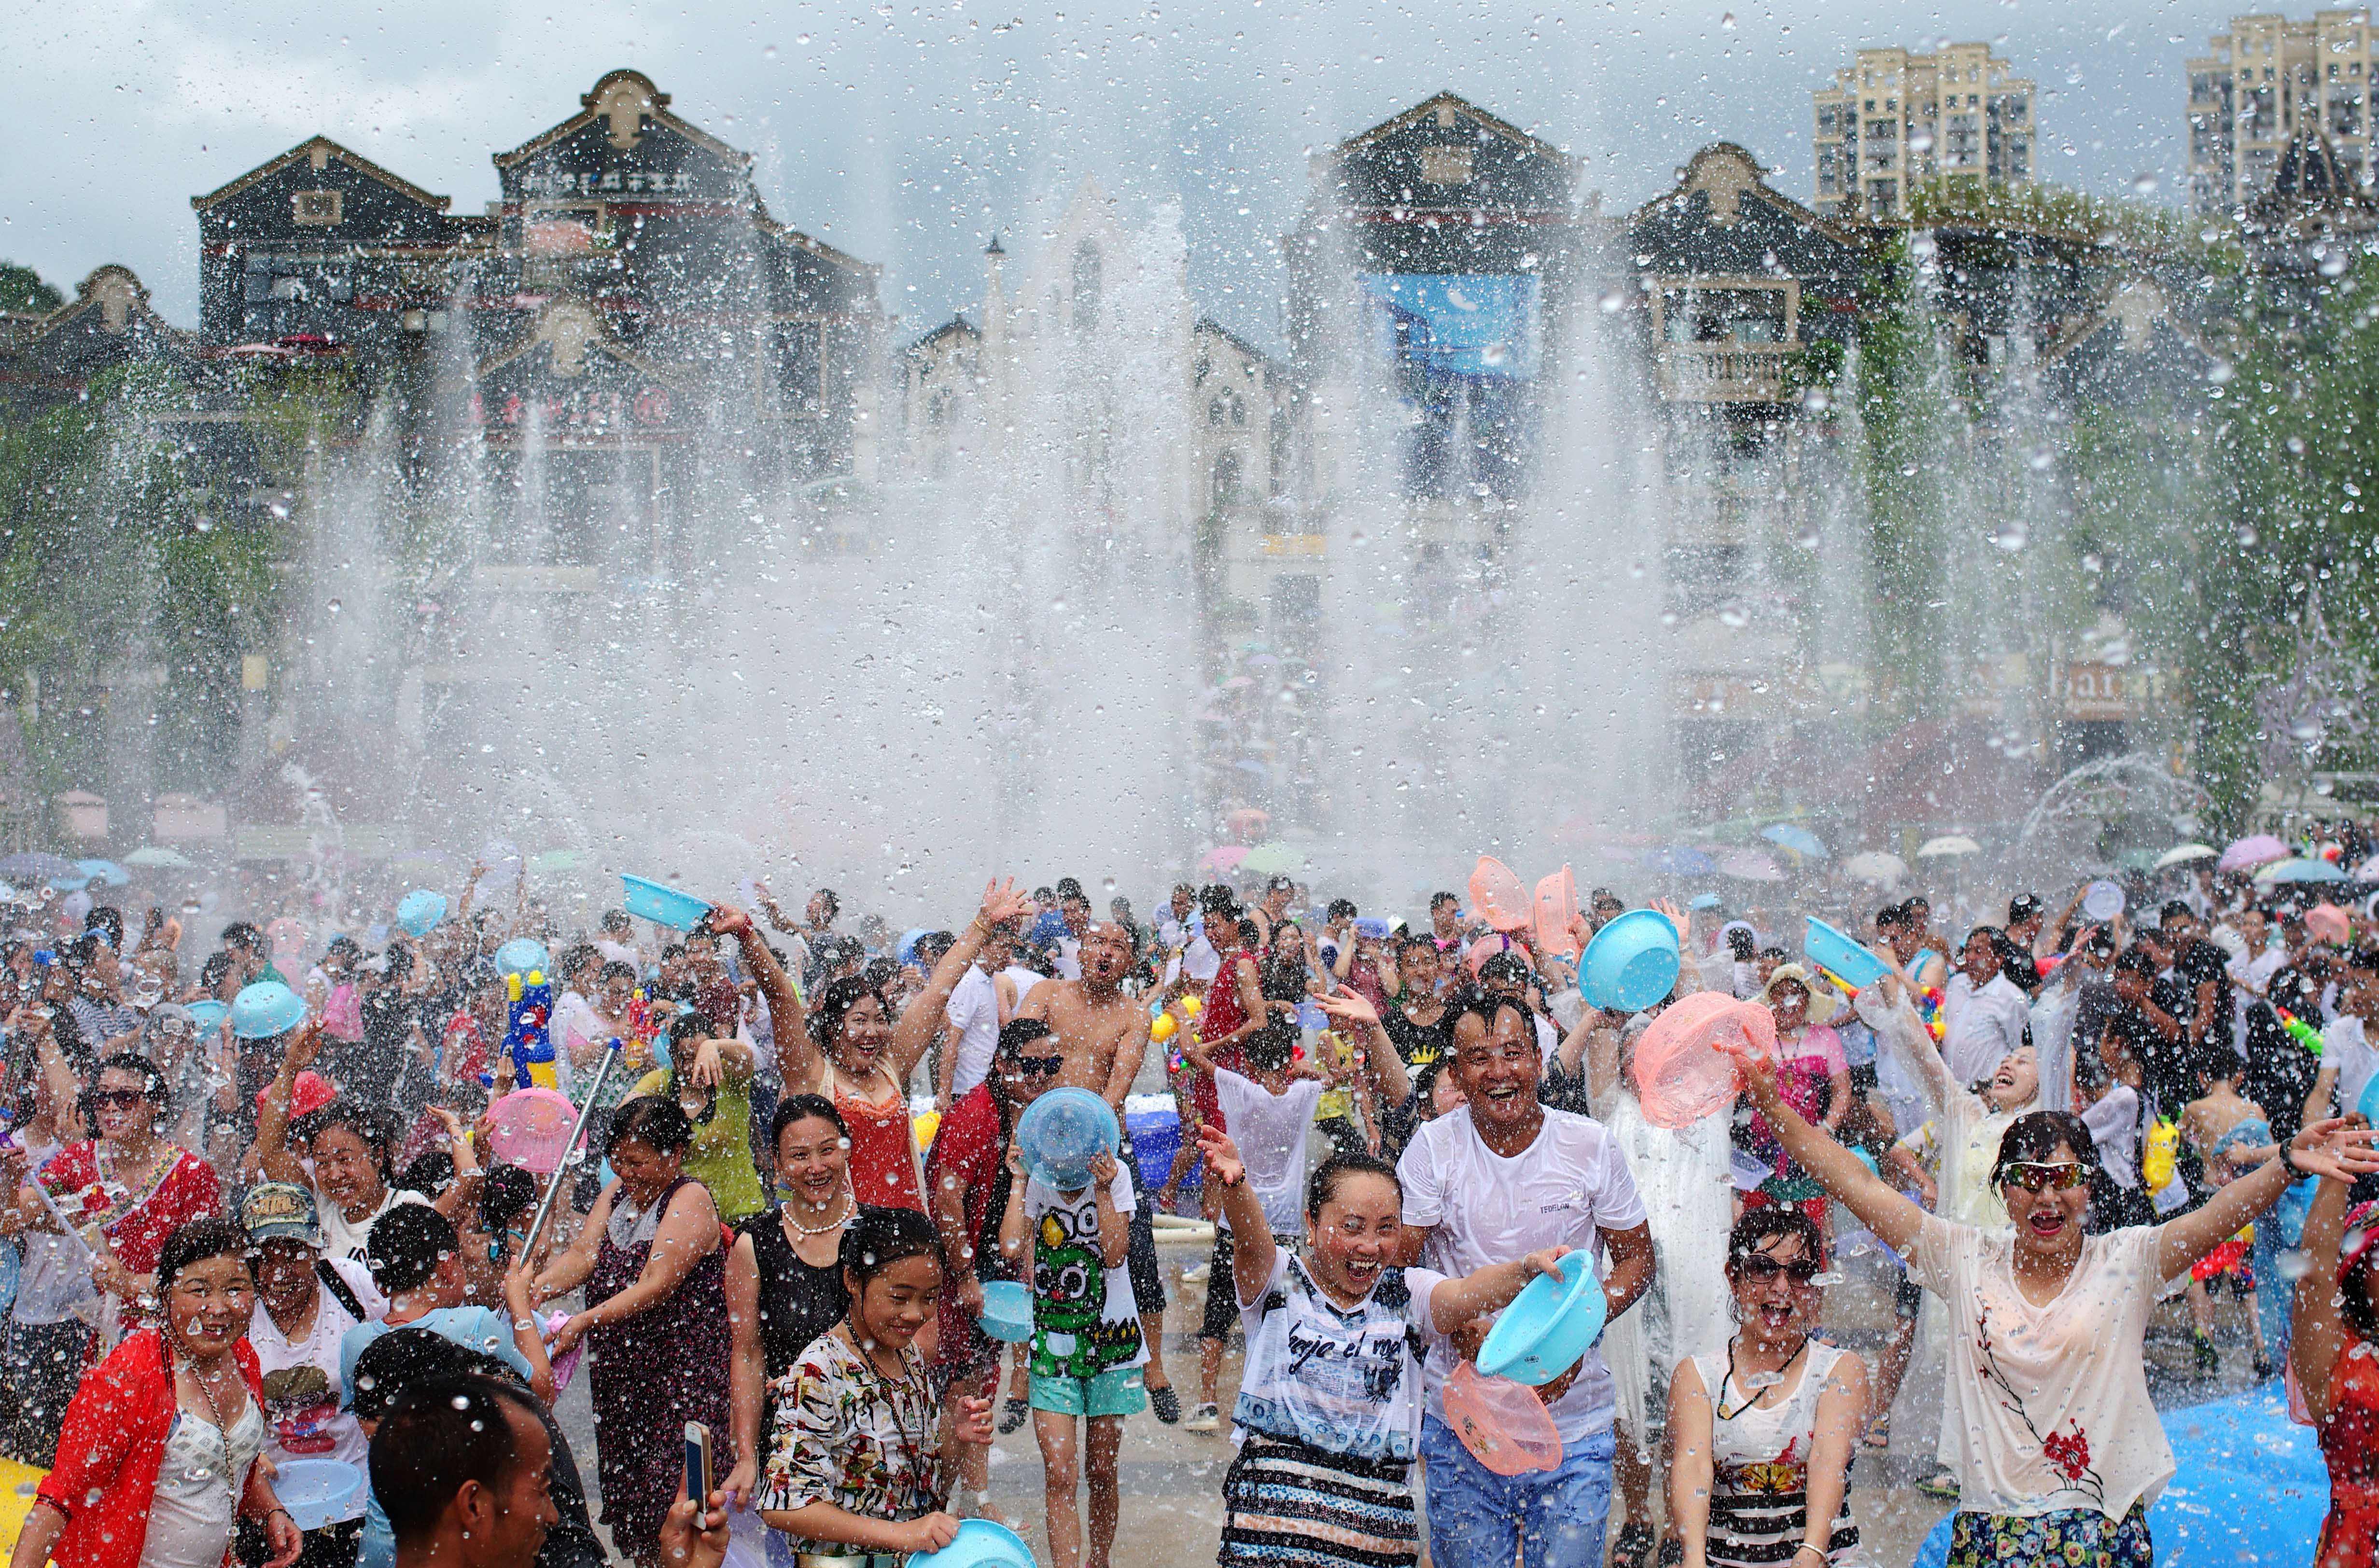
x=158, y=855
x=1271, y=858
x=556, y=860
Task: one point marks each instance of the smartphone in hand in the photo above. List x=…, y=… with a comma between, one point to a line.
x=699, y=1482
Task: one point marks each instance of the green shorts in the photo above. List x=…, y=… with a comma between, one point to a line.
x=1116, y=1392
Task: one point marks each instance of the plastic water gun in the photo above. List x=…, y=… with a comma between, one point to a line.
x=2298, y=1030
x=528, y=1040
x=1165, y=1022
x=1931, y=1013
x=2162, y=1154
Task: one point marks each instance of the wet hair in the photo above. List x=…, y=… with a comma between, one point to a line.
x=1439, y=900
x=1218, y=898
x=376, y=1126
x=507, y=1194
x=212, y=972
x=1892, y=917
x=2035, y=1136
x=932, y=946
x=2364, y=958
x=878, y=974
x=1342, y=909
x=2357, y=1278
x=1772, y=1220
x=834, y=999
x=615, y=920
x=877, y=1238
x=617, y=970
x=109, y=920
x=405, y=1245
x=1017, y=1033
x=430, y=1173
x=826, y=895
x=800, y=1108
x=1471, y=1002
x=240, y=934
x=2137, y=960
x=574, y=958
x=404, y=1359
x=439, y=1436
x=1269, y=1046
x=657, y=1121
x=1323, y=1186
x=1507, y=965
x=152, y=1084
x=197, y=1241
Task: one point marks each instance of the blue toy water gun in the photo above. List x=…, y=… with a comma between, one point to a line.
x=529, y=1042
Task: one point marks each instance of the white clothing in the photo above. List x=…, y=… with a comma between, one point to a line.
x=342, y=1239
x=1023, y=979
x=1566, y=1188
x=2052, y=1040
x=1985, y=1025
x=624, y=953
x=1686, y=1181
x=1759, y=1460
x=1069, y=958
x=2256, y=972
x=2344, y=1047
x=973, y=1012
x=1270, y=1130
x=2047, y=1406
x=303, y=1395
x=1198, y=959
x=198, y=1487
x=1080, y=1222
x=2114, y=1124
x=53, y=1274
x=1345, y=1379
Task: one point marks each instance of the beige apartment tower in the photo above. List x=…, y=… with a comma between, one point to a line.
x=2266, y=84
x=1894, y=119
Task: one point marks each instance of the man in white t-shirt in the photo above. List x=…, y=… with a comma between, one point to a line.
x=2348, y=1061
x=1490, y=1182
x=973, y=1014
x=1984, y=1011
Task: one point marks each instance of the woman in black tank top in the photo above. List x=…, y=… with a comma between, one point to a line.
x=785, y=1284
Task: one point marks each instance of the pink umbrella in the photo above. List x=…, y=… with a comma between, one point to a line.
x=1225, y=857
x=2260, y=849
x=1748, y=865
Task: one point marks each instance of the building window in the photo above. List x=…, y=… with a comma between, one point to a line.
x=317, y=208
x=1087, y=286
x=1226, y=492
x=1446, y=165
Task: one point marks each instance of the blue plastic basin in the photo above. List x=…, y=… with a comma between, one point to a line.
x=979, y=1544
x=420, y=911
x=1631, y=963
x=265, y=1009
x=316, y=1491
x=206, y=1015
x=1548, y=1326
x=1841, y=956
x=1060, y=1132
x=1006, y=1310
x=524, y=955
x=662, y=904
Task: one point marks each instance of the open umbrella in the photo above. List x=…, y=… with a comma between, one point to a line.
x=1875, y=866
x=1800, y=840
x=2300, y=871
x=158, y=855
x=33, y=866
x=548, y=862
x=2259, y=849
x=1225, y=857
x=1949, y=844
x=107, y=871
x=2185, y=854
x=1748, y=865
x=1271, y=858
x=1680, y=859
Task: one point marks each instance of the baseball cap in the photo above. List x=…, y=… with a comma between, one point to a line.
x=277, y=1208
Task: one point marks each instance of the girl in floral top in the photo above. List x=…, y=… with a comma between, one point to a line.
x=856, y=1468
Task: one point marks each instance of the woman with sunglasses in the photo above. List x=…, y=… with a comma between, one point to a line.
x=124, y=1190
x=1763, y=1434
x=2047, y=1425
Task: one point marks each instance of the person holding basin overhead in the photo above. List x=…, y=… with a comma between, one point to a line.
x=2049, y=1430
x=1497, y=1180
x=1330, y=1401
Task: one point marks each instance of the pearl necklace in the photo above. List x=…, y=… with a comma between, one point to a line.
x=840, y=1219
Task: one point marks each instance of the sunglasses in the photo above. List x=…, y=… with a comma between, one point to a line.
x=1039, y=1066
x=1760, y=1270
x=2063, y=1176
x=119, y=1097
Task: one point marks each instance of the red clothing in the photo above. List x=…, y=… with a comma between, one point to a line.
x=109, y=1450
x=136, y=1222
x=2349, y=1441
x=883, y=1152
x=970, y=1149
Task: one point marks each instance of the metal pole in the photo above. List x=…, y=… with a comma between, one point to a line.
x=553, y=1190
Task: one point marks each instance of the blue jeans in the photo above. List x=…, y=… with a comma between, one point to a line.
x=1558, y=1516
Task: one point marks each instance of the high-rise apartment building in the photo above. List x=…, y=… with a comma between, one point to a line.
x=2267, y=82
x=1894, y=119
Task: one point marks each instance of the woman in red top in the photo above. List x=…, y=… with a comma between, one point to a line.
x=2335, y=1355
x=158, y=1461
x=126, y=1190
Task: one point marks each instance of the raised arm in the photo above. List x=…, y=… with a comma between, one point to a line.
x=797, y=1059
x=1380, y=1057
x=2333, y=1148
x=1252, y=1248
x=1001, y=901
x=272, y=1121
x=2319, y=1329
x=1491, y=1290
x=1884, y=1008
x=1841, y=1173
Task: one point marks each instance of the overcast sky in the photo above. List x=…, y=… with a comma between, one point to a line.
x=903, y=132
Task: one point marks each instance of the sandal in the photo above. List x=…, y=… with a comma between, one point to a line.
x=1012, y=1413
x=1634, y=1547
x=1878, y=1432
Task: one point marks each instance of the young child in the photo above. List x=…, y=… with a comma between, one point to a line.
x=1086, y=1351
x=1268, y=1111
x=1329, y=1404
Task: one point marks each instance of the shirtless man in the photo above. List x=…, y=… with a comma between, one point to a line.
x=1103, y=1035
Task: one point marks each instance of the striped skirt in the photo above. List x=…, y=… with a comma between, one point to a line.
x=1762, y=1529
x=1288, y=1505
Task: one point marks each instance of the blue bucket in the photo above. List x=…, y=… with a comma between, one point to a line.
x=662, y=904
x=1061, y=1131
x=420, y=911
x=1631, y=963
x=1548, y=1326
x=1006, y=1310
x=523, y=955
x=979, y=1544
x=317, y=1492
x=265, y=1009
x=1841, y=956
x=206, y=1015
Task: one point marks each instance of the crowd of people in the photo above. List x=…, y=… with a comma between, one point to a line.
x=261, y=1217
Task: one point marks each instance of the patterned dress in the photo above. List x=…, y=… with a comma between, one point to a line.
x=2349, y=1440
x=653, y=1373
x=848, y=1435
